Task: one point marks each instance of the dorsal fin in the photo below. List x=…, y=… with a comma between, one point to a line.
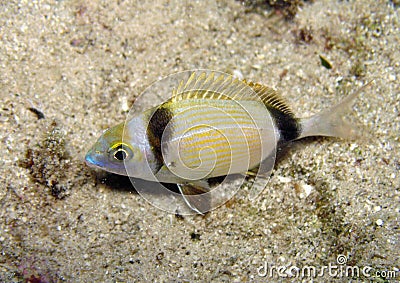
x=208, y=86
x=201, y=85
x=270, y=97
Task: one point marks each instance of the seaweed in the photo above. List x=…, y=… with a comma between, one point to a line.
x=305, y=34
x=48, y=161
x=358, y=69
x=288, y=8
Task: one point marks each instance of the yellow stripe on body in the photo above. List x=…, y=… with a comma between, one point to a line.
x=215, y=113
x=226, y=128
x=237, y=150
x=241, y=155
x=197, y=141
x=212, y=119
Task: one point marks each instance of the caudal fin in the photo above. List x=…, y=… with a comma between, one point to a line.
x=330, y=122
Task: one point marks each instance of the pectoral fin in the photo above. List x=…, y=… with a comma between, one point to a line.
x=196, y=196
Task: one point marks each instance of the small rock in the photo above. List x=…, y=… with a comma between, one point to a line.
x=284, y=179
x=377, y=208
x=307, y=189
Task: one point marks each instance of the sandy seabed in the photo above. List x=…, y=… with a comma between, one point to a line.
x=71, y=69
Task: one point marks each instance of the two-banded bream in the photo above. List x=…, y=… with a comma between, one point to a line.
x=212, y=125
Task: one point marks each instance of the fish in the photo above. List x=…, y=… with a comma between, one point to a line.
x=212, y=125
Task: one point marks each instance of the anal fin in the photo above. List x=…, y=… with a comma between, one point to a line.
x=252, y=172
x=197, y=196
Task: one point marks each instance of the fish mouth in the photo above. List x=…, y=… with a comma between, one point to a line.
x=98, y=163
x=92, y=162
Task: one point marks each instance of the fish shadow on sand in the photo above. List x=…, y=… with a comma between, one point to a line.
x=127, y=184
x=285, y=152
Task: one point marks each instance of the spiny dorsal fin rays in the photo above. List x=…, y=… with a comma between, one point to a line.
x=177, y=90
x=191, y=90
x=201, y=85
x=191, y=78
x=238, y=88
x=214, y=87
x=208, y=80
x=226, y=87
x=188, y=84
x=270, y=97
x=177, y=94
x=223, y=89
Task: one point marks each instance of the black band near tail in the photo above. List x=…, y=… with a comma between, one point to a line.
x=157, y=124
x=288, y=126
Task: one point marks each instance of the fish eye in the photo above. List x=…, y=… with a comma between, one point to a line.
x=121, y=152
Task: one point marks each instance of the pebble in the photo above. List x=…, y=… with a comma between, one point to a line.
x=124, y=104
x=377, y=208
x=238, y=74
x=284, y=179
x=392, y=77
x=307, y=189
